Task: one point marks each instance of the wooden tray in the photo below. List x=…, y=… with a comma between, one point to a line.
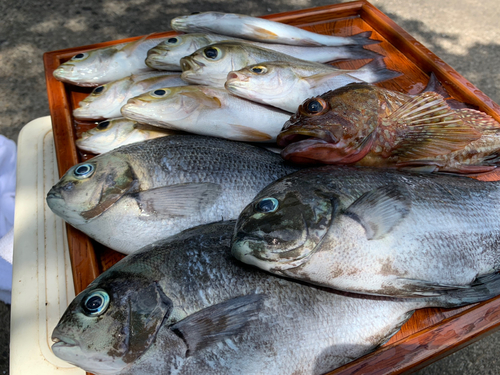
x=431, y=333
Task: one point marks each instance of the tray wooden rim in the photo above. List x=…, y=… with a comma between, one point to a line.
x=473, y=322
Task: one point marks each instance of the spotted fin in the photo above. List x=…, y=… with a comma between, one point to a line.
x=178, y=200
x=425, y=127
x=380, y=210
x=248, y=134
x=479, y=120
x=217, y=323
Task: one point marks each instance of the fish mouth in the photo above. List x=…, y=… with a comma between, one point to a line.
x=288, y=137
x=190, y=65
x=63, y=342
x=54, y=194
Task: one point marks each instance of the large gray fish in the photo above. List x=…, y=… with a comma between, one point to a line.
x=184, y=306
x=103, y=65
x=210, y=65
x=286, y=85
x=105, y=101
x=113, y=133
x=262, y=30
x=139, y=193
x=209, y=111
x=167, y=54
x=374, y=231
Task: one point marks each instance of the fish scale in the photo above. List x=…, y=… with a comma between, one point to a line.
x=429, y=240
x=292, y=329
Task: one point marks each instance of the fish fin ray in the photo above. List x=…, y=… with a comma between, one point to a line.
x=218, y=322
x=204, y=99
x=375, y=71
x=425, y=126
x=261, y=32
x=248, y=134
x=129, y=48
x=179, y=200
x=380, y=210
x=363, y=38
x=320, y=78
x=479, y=120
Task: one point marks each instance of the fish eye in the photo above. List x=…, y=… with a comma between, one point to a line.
x=80, y=56
x=314, y=106
x=103, y=125
x=84, y=171
x=259, y=69
x=267, y=205
x=159, y=93
x=172, y=40
x=98, y=90
x=212, y=53
x=96, y=303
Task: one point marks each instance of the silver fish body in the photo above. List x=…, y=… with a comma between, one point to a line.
x=139, y=193
x=286, y=85
x=259, y=29
x=103, y=65
x=210, y=65
x=183, y=305
x=113, y=133
x=375, y=232
x=208, y=111
x=167, y=54
x=105, y=101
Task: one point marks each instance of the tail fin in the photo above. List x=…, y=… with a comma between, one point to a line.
x=375, y=71
x=354, y=52
x=482, y=289
x=363, y=39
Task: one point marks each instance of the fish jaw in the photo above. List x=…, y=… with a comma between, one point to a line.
x=68, y=73
x=158, y=58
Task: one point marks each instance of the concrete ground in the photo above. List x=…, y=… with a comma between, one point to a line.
x=464, y=33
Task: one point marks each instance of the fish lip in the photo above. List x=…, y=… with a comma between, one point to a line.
x=65, y=342
x=285, y=138
x=190, y=65
x=236, y=77
x=52, y=194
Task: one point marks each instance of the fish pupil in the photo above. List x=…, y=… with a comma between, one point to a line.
x=79, y=56
x=99, y=89
x=103, y=125
x=172, y=40
x=267, y=205
x=159, y=92
x=93, y=303
x=314, y=106
x=257, y=70
x=211, y=53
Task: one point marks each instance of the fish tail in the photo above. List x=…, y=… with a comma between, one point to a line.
x=363, y=39
x=482, y=289
x=354, y=52
x=375, y=71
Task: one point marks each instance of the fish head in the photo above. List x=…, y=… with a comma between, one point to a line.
x=283, y=225
x=114, y=321
x=106, y=135
x=86, y=68
x=167, y=54
x=88, y=189
x=337, y=127
x=161, y=106
x=210, y=65
x=196, y=21
x=262, y=82
x=103, y=101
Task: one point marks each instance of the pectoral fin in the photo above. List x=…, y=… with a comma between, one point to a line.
x=178, y=200
x=262, y=33
x=380, y=210
x=130, y=48
x=203, y=99
x=248, y=134
x=425, y=126
x=216, y=323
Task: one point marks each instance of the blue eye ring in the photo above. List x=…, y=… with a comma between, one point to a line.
x=267, y=205
x=84, y=171
x=96, y=303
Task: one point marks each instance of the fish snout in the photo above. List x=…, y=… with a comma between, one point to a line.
x=235, y=76
x=188, y=64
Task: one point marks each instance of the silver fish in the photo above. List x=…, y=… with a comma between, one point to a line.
x=207, y=111
x=113, y=133
x=103, y=65
x=262, y=30
x=369, y=231
x=184, y=306
x=139, y=193
x=210, y=65
x=105, y=101
x=286, y=85
x=167, y=54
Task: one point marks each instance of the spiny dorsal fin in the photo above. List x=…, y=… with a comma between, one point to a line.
x=380, y=210
x=425, y=126
x=478, y=120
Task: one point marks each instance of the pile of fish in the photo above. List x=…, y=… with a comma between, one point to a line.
x=346, y=253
